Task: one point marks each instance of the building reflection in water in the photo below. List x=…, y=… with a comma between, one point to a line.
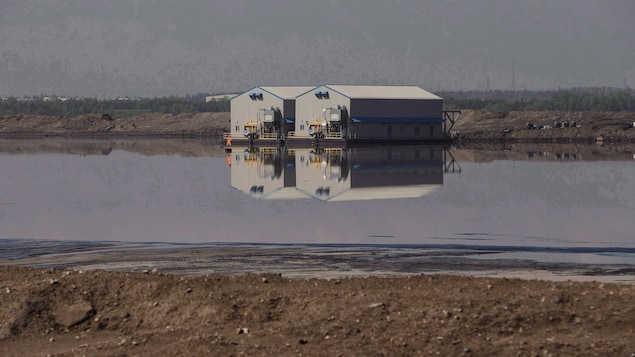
x=335, y=174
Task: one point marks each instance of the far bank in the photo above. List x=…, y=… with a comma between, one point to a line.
x=472, y=126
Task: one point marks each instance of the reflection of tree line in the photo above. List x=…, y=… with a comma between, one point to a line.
x=186, y=148
x=483, y=152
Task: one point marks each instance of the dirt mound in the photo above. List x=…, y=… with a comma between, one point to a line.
x=154, y=314
x=483, y=125
x=96, y=125
x=473, y=125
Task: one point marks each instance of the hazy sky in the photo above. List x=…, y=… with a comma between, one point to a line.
x=162, y=47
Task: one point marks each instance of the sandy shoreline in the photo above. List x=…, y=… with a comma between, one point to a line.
x=326, y=262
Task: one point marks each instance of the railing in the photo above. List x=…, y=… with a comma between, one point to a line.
x=333, y=136
x=268, y=136
x=291, y=134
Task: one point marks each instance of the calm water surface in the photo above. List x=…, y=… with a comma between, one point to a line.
x=380, y=196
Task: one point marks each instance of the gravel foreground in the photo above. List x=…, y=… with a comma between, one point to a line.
x=52, y=312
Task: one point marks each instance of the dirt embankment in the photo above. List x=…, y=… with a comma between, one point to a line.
x=100, y=313
x=473, y=125
x=93, y=125
x=483, y=125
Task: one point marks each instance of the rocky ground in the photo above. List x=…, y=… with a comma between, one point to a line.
x=210, y=125
x=48, y=312
x=487, y=126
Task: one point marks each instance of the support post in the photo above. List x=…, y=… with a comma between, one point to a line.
x=452, y=116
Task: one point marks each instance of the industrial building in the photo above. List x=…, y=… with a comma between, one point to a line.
x=338, y=113
x=370, y=113
x=265, y=113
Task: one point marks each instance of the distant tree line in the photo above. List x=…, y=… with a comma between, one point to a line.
x=576, y=99
x=115, y=107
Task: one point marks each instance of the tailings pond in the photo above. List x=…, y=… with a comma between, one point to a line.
x=190, y=207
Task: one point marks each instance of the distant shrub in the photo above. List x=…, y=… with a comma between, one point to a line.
x=114, y=107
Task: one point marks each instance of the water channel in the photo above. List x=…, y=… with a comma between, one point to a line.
x=550, y=204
